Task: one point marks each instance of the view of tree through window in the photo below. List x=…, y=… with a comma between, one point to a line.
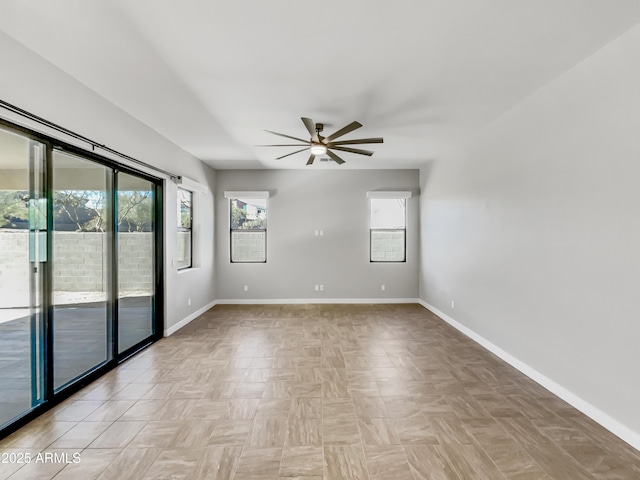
x=134, y=211
x=14, y=211
x=80, y=210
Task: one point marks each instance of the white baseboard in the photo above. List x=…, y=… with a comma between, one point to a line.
x=279, y=301
x=597, y=415
x=174, y=328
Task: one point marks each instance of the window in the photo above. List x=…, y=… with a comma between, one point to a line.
x=388, y=226
x=248, y=220
x=185, y=222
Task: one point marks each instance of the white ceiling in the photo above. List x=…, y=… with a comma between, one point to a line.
x=212, y=75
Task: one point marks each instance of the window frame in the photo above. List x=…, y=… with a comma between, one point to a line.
x=180, y=228
x=396, y=195
x=243, y=196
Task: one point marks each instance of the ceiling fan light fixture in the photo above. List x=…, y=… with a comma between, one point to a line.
x=318, y=149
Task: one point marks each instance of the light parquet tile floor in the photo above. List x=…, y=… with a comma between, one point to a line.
x=327, y=392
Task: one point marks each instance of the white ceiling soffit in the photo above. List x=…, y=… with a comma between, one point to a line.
x=246, y=194
x=385, y=195
x=211, y=76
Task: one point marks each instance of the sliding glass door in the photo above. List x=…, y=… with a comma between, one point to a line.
x=136, y=259
x=81, y=266
x=80, y=279
x=23, y=253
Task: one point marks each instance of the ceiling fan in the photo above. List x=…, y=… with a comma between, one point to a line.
x=319, y=145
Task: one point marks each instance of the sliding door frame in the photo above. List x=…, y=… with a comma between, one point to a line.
x=158, y=270
x=50, y=397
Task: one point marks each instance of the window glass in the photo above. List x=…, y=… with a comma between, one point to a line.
x=388, y=213
x=248, y=220
x=388, y=229
x=81, y=258
x=185, y=219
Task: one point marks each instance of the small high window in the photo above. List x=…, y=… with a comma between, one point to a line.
x=185, y=222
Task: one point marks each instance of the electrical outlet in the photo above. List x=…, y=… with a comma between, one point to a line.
x=189, y=301
x=317, y=287
x=322, y=233
x=246, y=288
x=453, y=304
x=315, y=232
x=322, y=288
x=383, y=287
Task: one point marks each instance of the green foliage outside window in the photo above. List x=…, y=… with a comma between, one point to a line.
x=81, y=210
x=241, y=220
x=14, y=212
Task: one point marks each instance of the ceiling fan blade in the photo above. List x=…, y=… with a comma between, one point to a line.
x=292, y=153
x=311, y=127
x=288, y=136
x=353, y=150
x=311, y=159
x=335, y=157
x=343, y=131
x=358, y=141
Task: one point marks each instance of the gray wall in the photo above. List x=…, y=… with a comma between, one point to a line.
x=532, y=228
x=303, y=201
x=31, y=83
x=193, y=285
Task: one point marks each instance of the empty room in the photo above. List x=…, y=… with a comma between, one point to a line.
x=357, y=240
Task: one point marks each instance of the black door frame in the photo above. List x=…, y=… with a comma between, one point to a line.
x=50, y=397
